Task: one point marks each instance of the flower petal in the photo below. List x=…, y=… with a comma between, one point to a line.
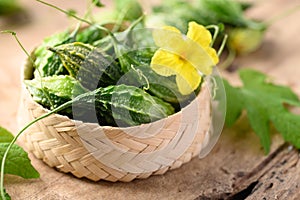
x=169, y=38
x=213, y=54
x=171, y=28
x=199, y=34
x=204, y=57
x=165, y=63
x=184, y=56
x=188, y=79
x=199, y=57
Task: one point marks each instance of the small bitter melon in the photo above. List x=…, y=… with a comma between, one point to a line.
x=53, y=91
x=122, y=105
x=88, y=64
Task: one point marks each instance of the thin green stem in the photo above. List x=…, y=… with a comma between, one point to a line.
x=74, y=33
x=64, y=11
x=63, y=106
x=141, y=75
x=77, y=99
x=216, y=32
x=222, y=45
x=136, y=22
x=88, y=13
x=14, y=34
x=120, y=19
x=118, y=51
x=114, y=39
x=20, y=44
x=74, y=16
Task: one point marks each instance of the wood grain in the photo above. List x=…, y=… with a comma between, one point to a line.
x=236, y=168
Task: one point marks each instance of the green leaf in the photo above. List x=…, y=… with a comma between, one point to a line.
x=5, y=135
x=264, y=103
x=17, y=162
x=234, y=104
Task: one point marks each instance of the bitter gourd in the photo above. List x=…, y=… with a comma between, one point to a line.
x=90, y=65
x=53, y=91
x=47, y=63
x=122, y=105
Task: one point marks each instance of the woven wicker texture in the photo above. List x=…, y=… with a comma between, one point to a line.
x=112, y=153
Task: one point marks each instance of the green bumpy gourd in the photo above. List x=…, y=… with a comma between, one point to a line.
x=53, y=91
x=122, y=105
x=88, y=64
x=115, y=105
x=46, y=63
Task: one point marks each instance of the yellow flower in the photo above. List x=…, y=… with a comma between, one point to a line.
x=187, y=56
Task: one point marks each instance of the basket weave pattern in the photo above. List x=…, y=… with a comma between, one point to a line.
x=112, y=153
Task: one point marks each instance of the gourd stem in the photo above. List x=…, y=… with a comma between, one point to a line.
x=61, y=107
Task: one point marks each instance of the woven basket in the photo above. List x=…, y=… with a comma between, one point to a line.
x=112, y=153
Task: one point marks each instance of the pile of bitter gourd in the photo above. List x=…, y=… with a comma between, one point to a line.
x=112, y=71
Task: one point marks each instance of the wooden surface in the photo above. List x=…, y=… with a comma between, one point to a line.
x=236, y=168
